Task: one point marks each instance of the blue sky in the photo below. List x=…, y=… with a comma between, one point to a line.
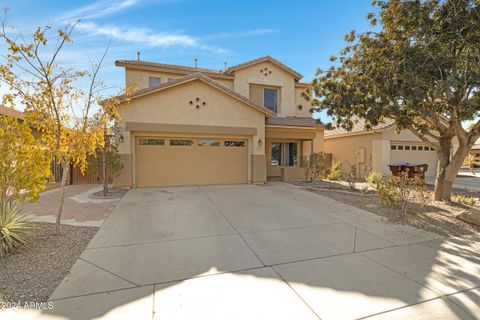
x=301, y=34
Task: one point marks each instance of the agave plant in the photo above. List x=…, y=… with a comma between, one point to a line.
x=15, y=228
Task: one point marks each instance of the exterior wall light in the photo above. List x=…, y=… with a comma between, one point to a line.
x=121, y=138
x=260, y=142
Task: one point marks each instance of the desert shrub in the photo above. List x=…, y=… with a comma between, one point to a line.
x=334, y=173
x=375, y=178
x=400, y=191
x=464, y=199
x=314, y=165
x=351, y=177
x=15, y=228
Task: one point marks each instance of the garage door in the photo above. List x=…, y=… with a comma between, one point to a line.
x=163, y=161
x=414, y=153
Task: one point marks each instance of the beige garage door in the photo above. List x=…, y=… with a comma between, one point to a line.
x=414, y=153
x=190, y=161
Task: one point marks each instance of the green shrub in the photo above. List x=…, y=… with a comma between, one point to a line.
x=15, y=228
x=375, y=178
x=464, y=199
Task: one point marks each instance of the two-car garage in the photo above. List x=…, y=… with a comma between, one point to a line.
x=168, y=161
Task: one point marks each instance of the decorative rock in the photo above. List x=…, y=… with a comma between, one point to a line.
x=470, y=216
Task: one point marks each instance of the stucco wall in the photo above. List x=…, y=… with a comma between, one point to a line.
x=353, y=149
x=299, y=100
x=277, y=78
x=171, y=106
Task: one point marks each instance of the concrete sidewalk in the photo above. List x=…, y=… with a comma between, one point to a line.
x=79, y=208
x=263, y=252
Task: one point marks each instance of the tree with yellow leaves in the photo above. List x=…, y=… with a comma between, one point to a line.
x=70, y=117
x=24, y=163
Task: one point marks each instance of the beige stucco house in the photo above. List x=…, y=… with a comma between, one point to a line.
x=377, y=148
x=195, y=126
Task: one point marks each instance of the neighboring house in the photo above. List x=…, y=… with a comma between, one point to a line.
x=195, y=126
x=375, y=149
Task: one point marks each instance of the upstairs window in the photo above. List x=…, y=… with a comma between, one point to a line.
x=270, y=99
x=153, y=81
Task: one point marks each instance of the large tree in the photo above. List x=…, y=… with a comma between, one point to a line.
x=420, y=66
x=63, y=103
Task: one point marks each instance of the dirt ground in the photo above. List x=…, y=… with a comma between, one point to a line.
x=32, y=275
x=436, y=217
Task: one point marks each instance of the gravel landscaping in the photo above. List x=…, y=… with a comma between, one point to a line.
x=436, y=217
x=32, y=275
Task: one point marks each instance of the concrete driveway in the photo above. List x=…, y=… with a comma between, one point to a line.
x=264, y=252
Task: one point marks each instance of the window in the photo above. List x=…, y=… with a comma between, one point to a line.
x=270, y=99
x=407, y=147
x=209, y=143
x=151, y=142
x=393, y=147
x=284, y=154
x=414, y=148
x=177, y=142
x=153, y=81
x=231, y=143
x=420, y=148
x=400, y=147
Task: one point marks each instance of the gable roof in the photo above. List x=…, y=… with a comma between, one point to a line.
x=11, y=112
x=358, y=128
x=204, y=79
x=155, y=66
x=294, y=122
x=296, y=74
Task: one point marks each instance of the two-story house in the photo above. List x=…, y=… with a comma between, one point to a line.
x=195, y=126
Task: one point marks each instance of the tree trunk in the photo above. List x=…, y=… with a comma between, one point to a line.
x=448, y=170
x=104, y=173
x=61, y=199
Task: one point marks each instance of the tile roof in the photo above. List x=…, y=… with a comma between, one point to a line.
x=11, y=112
x=204, y=78
x=294, y=122
x=177, y=68
x=358, y=128
x=262, y=59
x=226, y=74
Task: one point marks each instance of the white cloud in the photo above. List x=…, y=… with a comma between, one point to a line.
x=147, y=37
x=90, y=27
x=140, y=35
x=97, y=10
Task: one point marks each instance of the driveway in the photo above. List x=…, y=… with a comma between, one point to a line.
x=264, y=252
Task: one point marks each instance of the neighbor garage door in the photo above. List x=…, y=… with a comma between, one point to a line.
x=163, y=161
x=414, y=153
